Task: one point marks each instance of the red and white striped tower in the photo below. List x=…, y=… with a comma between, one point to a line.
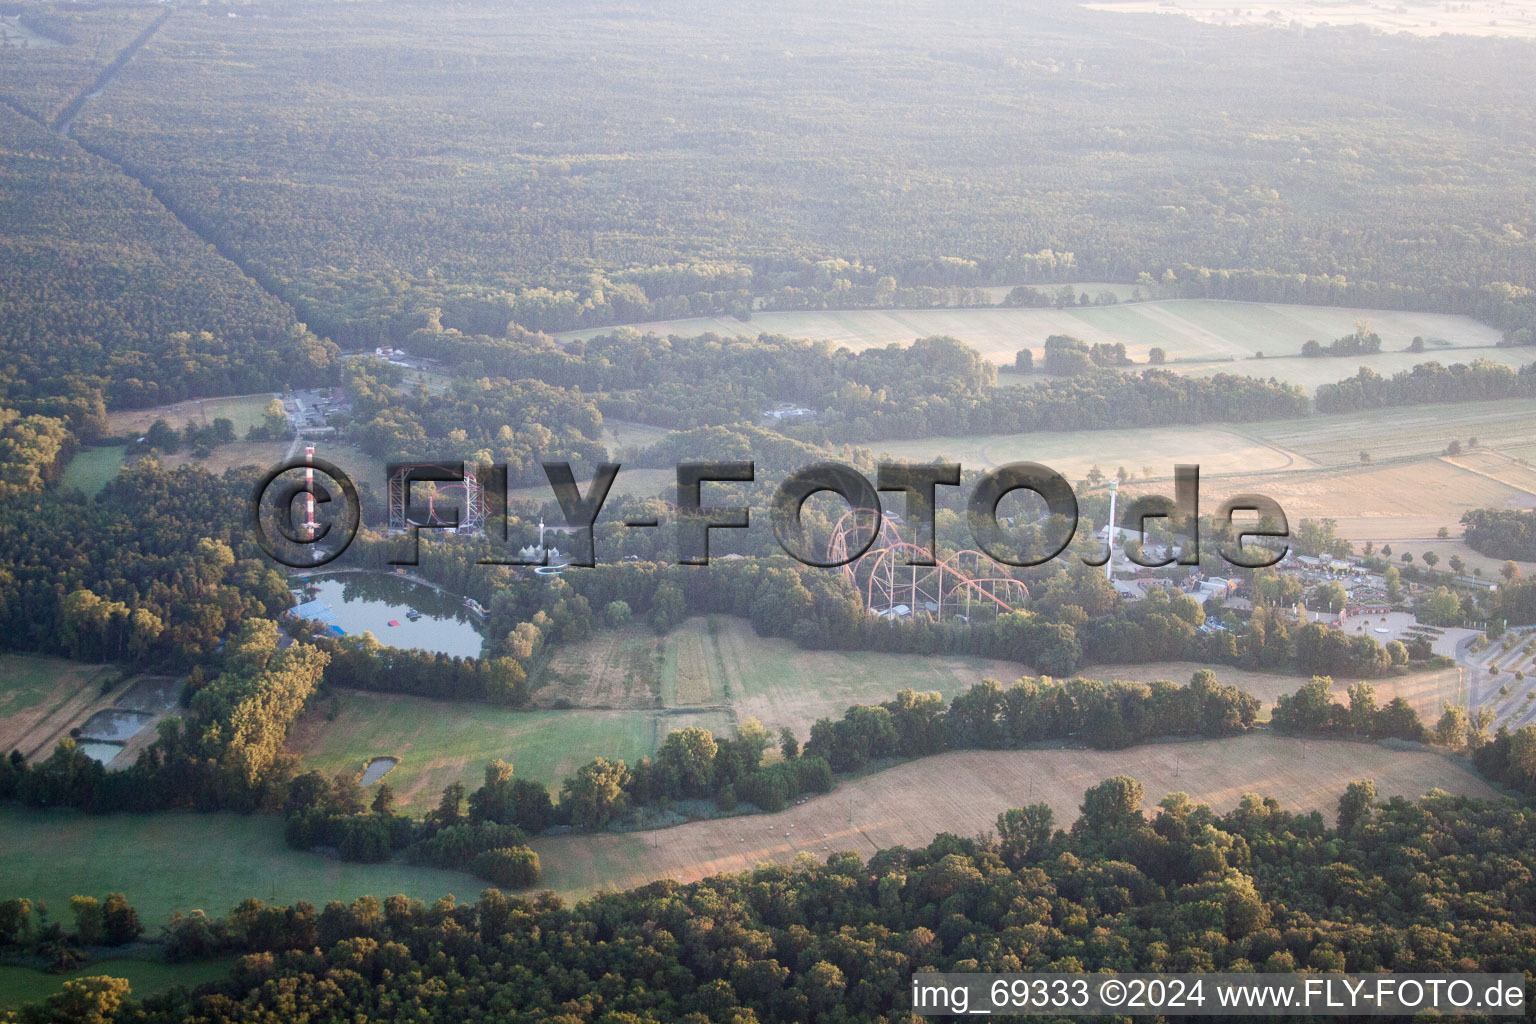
x=309, y=494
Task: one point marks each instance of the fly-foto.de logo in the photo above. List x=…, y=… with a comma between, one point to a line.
x=306, y=512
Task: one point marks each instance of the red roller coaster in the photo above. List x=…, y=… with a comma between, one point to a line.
x=889, y=587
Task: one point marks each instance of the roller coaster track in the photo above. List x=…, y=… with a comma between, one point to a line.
x=884, y=577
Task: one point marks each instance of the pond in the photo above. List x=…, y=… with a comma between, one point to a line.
x=103, y=752
x=114, y=725
x=377, y=769
x=382, y=604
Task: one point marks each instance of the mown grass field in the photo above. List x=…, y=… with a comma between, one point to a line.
x=1200, y=336
x=185, y=861
x=22, y=985
x=963, y=792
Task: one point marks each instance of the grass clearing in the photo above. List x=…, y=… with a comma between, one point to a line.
x=621, y=435
x=91, y=469
x=964, y=791
x=245, y=411
x=231, y=456
x=22, y=985
x=440, y=742
x=182, y=860
x=42, y=698
x=1200, y=336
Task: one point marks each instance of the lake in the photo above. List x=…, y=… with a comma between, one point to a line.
x=368, y=602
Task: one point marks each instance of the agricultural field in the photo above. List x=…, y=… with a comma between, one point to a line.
x=964, y=791
x=440, y=742
x=182, y=860
x=1404, y=504
x=22, y=985
x=1505, y=426
x=1478, y=18
x=1312, y=466
x=1200, y=336
x=1145, y=452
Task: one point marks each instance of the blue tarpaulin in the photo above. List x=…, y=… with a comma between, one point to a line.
x=317, y=610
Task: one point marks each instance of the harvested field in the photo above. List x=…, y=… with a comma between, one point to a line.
x=963, y=792
x=1397, y=433
x=1405, y=501
x=1200, y=336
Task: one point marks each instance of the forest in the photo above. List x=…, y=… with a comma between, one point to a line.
x=524, y=218
x=1502, y=532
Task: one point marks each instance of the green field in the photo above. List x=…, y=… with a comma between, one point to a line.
x=1200, y=336
x=21, y=985
x=439, y=742
x=90, y=469
x=187, y=861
